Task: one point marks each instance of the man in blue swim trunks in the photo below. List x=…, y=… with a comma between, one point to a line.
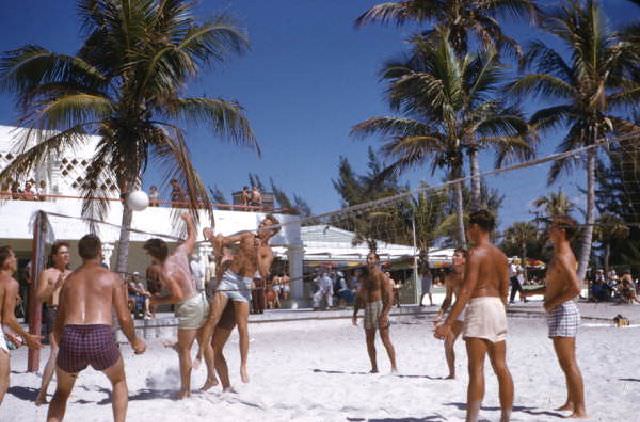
x=253, y=256
x=561, y=288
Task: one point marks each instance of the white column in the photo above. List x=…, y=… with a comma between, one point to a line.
x=107, y=251
x=295, y=256
x=203, y=251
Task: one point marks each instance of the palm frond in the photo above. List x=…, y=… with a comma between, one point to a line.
x=543, y=85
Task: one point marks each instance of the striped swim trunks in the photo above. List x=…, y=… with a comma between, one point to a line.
x=87, y=344
x=563, y=320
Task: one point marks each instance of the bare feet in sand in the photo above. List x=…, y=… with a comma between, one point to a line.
x=210, y=383
x=374, y=371
x=183, y=394
x=577, y=413
x=229, y=390
x=41, y=399
x=568, y=406
x=451, y=377
x=244, y=374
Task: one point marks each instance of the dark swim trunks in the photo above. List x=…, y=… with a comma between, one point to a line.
x=50, y=314
x=87, y=344
x=228, y=318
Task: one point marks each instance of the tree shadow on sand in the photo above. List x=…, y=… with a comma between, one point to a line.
x=629, y=379
x=151, y=394
x=530, y=410
x=23, y=393
x=432, y=418
x=330, y=371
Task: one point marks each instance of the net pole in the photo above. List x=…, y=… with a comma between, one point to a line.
x=38, y=261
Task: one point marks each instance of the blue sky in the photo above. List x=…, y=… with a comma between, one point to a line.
x=308, y=78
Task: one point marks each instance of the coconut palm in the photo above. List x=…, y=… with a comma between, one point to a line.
x=462, y=17
x=588, y=88
x=125, y=84
x=447, y=111
x=610, y=228
x=521, y=234
x=554, y=204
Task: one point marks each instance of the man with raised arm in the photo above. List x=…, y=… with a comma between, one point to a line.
x=191, y=306
x=8, y=299
x=484, y=292
x=563, y=317
x=50, y=283
x=254, y=256
x=376, y=295
x=453, y=284
x=84, y=332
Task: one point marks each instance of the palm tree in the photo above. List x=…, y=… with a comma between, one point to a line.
x=447, y=112
x=589, y=88
x=609, y=229
x=554, y=204
x=521, y=234
x=461, y=17
x=125, y=84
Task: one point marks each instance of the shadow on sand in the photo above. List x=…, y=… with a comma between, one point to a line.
x=23, y=393
x=151, y=394
x=428, y=377
x=530, y=410
x=432, y=418
x=629, y=379
x=329, y=371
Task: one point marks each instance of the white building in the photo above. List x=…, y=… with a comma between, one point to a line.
x=64, y=175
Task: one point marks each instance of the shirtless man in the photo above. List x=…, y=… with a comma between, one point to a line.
x=453, y=284
x=484, y=292
x=50, y=283
x=84, y=332
x=376, y=294
x=191, y=307
x=562, y=287
x=8, y=299
x=254, y=255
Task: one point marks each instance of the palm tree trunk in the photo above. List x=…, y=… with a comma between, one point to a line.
x=587, y=236
x=122, y=257
x=460, y=206
x=607, y=255
x=474, y=170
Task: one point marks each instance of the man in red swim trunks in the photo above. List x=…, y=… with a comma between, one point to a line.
x=84, y=332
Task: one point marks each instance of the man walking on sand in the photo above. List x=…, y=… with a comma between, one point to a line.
x=453, y=284
x=254, y=256
x=50, y=284
x=191, y=306
x=376, y=294
x=84, y=332
x=8, y=298
x=561, y=288
x=484, y=292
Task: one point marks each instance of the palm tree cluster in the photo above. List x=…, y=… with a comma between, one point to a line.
x=456, y=92
x=126, y=84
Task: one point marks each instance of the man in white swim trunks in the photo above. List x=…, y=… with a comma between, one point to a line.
x=254, y=254
x=484, y=292
x=453, y=284
x=561, y=288
x=376, y=295
x=8, y=299
x=191, y=306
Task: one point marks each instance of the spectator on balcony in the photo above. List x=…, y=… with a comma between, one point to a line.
x=154, y=197
x=15, y=190
x=41, y=191
x=245, y=196
x=256, y=197
x=178, y=198
x=6, y=191
x=28, y=194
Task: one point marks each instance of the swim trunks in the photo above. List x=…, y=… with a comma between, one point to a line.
x=87, y=344
x=50, y=313
x=372, y=313
x=3, y=343
x=426, y=282
x=486, y=318
x=236, y=288
x=193, y=312
x=563, y=320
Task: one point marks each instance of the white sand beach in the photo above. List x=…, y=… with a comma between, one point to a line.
x=317, y=371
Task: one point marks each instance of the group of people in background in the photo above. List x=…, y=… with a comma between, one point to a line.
x=30, y=192
x=613, y=287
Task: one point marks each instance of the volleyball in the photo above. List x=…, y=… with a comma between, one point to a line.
x=137, y=200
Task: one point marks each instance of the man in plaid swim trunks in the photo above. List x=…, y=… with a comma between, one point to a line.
x=561, y=288
x=376, y=294
x=84, y=332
